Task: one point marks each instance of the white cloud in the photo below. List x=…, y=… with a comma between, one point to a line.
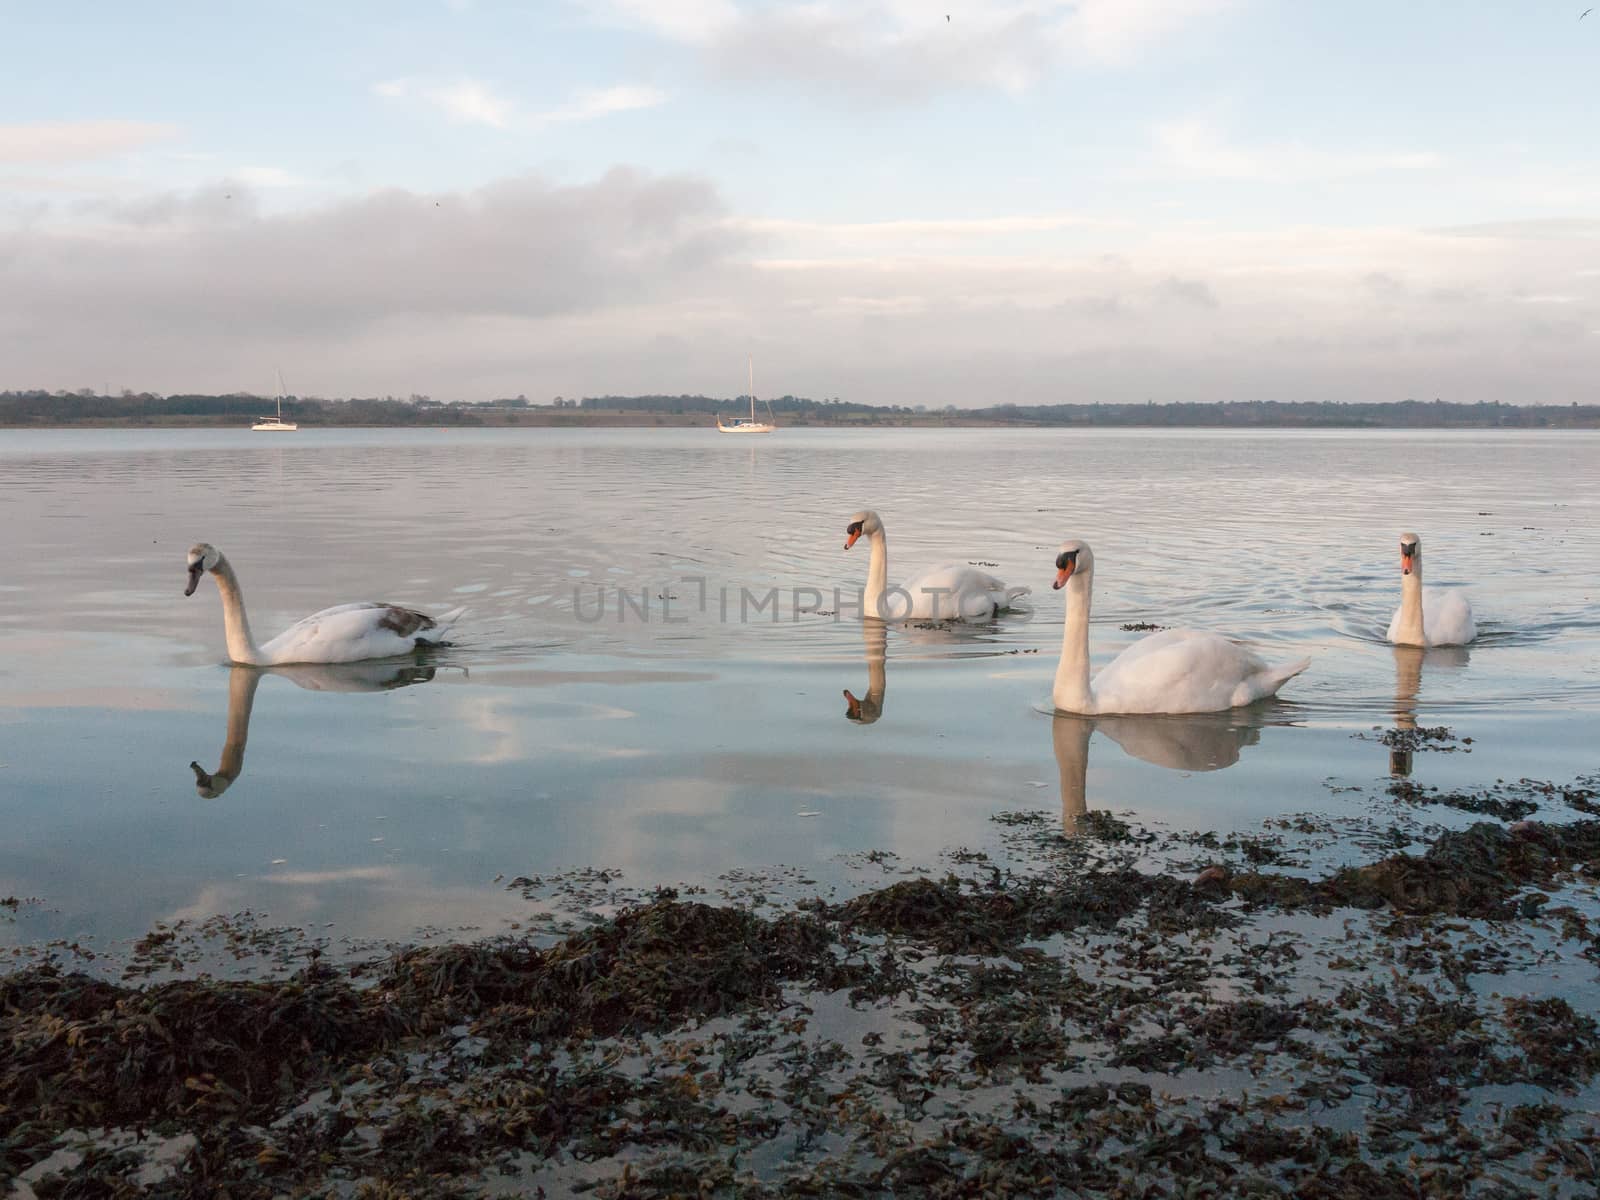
x=75, y=141
x=903, y=49
x=1196, y=146
x=472, y=101
x=854, y=241
x=1539, y=229
x=1116, y=30
x=638, y=283
x=955, y=227
x=879, y=52
x=520, y=247
x=87, y=184
x=266, y=177
x=680, y=20
x=589, y=104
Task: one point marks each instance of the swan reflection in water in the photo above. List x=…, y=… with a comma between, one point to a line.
x=875, y=639
x=1198, y=742
x=314, y=677
x=1408, y=664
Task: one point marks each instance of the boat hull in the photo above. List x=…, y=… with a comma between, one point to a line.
x=749, y=424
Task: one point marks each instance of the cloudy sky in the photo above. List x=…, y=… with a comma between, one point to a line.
x=891, y=201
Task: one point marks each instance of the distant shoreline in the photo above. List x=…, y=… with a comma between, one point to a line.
x=44, y=410
x=624, y=420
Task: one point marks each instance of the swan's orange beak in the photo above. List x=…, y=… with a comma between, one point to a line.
x=1064, y=574
x=851, y=540
x=852, y=706
x=195, y=571
x=1405, y=564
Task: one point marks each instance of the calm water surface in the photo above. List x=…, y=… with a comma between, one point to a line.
x=651, y=676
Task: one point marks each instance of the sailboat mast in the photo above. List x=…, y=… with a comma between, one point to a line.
x=280, y=395
x=752, y=362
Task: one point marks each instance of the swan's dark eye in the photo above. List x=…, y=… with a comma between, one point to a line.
x=1408, y=548
x=1067, y=558
x=853, y=528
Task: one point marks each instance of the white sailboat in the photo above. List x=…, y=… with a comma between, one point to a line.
x=275, y=424
x=750, y=425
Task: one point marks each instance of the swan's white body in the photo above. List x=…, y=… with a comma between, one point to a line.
x=342, y=634
x=1428, y=617
x=1174, y=671
x=1446, y=621
x=348, y=633
x=953, y=592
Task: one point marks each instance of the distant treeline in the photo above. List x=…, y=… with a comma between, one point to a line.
x=1280, y=414
x=820, y=410
x=1404, y=414
x=69, y=408
x=84, y=407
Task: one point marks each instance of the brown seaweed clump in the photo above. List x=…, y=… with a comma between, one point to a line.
x=1476, y=872
x=1091, y=1030
x=85, y=1052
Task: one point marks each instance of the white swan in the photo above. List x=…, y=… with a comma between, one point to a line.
x=344, y=633
x=1437, y=618
x=949, y=593
x=1175, y=671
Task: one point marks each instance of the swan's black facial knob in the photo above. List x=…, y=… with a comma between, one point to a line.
x=1066, y=564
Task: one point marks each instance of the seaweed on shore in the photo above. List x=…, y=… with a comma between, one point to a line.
x=1006, y=1021
x=1476, y=872
x=1487, y=803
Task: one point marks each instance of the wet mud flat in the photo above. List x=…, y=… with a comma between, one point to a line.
x=1331, y=1009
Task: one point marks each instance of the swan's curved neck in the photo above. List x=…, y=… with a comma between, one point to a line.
x=241, y=646
x=1410, y=631
x=877, y=575
x=1071, y=691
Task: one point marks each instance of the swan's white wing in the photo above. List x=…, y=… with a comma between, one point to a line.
x=351, y=633
x=953, y=592
x=1447, y=618
x=1177, y=671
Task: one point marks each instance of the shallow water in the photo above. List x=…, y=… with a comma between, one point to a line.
x=630, y=692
